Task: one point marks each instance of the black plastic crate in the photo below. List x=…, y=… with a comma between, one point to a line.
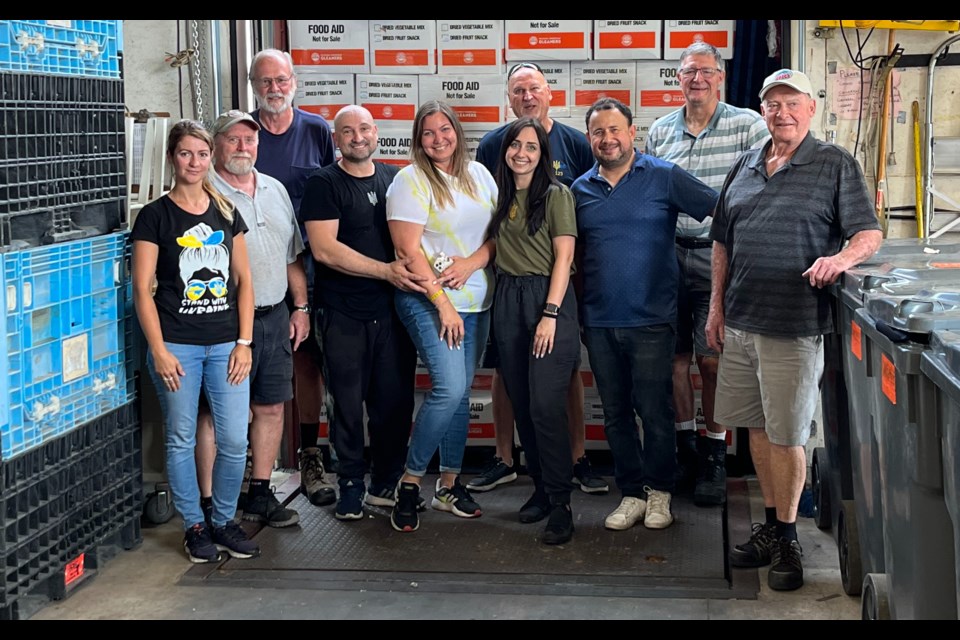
x=67, y=497
x=71, y=222
x=39, y=184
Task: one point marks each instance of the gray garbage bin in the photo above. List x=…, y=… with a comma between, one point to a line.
x=918, y=564
x=941, y=369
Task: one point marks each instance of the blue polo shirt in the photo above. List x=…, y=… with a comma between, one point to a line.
x=627, y=234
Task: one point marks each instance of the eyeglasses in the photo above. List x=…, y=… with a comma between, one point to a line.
x=249, y=141
x=523, y=65
x=706, y=72
x=196, y=288
x=281, y=81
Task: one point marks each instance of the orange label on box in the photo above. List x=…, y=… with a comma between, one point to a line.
x=888, y=379
x=558, y=98
x=595, y=432
x=628, y=40
x=945, y=265
x=683, y=39
x=478, y=114
x=333, y=57
x=585, y=98
x=390, y=111
x=73, y=570
x=397, y=162
x=467, y=57
x=327, y=111
x=856, y=340
x=400, y=57
x=481, y=430
x=546, y=40
x=661, y=98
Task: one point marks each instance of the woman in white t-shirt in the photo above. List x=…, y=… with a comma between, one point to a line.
x=438, y=211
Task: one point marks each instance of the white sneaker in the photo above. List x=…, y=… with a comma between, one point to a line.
x=627, y=514
x=658, y=510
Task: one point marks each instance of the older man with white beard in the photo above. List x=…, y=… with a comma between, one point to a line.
x=273, y=244
x=293, y=144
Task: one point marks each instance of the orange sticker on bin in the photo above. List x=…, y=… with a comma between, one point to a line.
x=945, y=265
x=683, y=39
x=469, y=57
x=628, y=40
x=400, y=57
x=73, y=571
x=332, y=57
x=856, y=340
x=888, y=379
x=562, y=40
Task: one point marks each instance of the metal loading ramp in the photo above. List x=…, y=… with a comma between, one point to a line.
x=497, y=554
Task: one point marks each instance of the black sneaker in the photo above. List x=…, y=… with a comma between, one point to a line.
x=584, y=476
x=495, y=474
x=267, y=509
x=404, y=515
x=456, y=500
x=559, y=526
x=232, y=539
x=786, y=571
x=536, y=508
x=382, y=495
x=687, y=460
x=313, y=479
x=756, y=551
x=199, y=545
x=711, y=489
x=350, y=502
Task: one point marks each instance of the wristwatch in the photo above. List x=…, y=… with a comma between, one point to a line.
x=552, y=309
x=245, y=343
x=303, y=307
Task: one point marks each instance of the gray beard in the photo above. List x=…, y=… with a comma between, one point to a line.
x=266, y=106
x=238, y=166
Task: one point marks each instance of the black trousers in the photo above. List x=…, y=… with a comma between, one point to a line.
x=538, y=387
x=372, y=363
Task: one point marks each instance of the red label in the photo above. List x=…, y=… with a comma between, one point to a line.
x=481, y=430
x=585, y=98
x=327, y=111
x=73, y=570
x=661, y=98
x=400, y=57
x=558, y=98
x=478, y=114
x=683, y=39
x=595, y=432
x=856, y=340
x=888, y=379
x=328, y=57
x=628, y=40
x=545, y=40
x=390, y=111
x=471, y=57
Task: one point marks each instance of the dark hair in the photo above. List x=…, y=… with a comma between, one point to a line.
x=543, y=178
x=605, y=104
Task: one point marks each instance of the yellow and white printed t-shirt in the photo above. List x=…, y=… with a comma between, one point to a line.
x=456, y=230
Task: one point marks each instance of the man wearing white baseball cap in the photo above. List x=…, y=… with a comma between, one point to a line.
x=792, y=216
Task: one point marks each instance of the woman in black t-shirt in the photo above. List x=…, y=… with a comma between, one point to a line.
x=198, y=328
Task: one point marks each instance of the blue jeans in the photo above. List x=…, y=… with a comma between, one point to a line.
x=444, y=416
x=633, y=368
x=204, y=366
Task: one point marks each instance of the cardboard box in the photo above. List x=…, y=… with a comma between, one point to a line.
x=558, y=78
x=627, y=39
x=393, y=145
x=476, y=99
x=389, y=98
x=480, y=432
x=591, y=81
x=403, y=46
x=680, y=34
x=473, y=136
x=548, y=39
x=470, y=46
x=324, y=94
x=329, y=46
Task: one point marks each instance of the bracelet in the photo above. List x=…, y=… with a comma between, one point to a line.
x=436, y=294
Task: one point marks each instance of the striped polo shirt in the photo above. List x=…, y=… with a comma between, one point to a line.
x=709, y=155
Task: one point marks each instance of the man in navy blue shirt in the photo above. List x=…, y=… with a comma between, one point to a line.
x=627, y=208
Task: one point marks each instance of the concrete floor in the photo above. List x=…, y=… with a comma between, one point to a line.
x=142, y=584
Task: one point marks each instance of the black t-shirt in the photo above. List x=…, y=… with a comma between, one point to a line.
x=196, y=297
x=360, y=204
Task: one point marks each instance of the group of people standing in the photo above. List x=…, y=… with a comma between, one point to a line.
x=551, y=238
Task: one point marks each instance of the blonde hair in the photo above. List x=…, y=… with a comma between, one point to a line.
x=195, y=129
x=459, y=164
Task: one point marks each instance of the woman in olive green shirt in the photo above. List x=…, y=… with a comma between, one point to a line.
x=535, y=316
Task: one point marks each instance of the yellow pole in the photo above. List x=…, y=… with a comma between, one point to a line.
x=918, y=169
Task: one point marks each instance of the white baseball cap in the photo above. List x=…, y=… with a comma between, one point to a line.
x=790, y=78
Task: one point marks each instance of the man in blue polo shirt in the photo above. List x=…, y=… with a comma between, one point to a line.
x=627, y=208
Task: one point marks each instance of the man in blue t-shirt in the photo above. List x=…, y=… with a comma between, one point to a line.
x=293, y=144
x=530, y=95
x=627, y=208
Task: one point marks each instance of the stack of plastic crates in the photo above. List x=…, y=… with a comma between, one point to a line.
x=71, y=481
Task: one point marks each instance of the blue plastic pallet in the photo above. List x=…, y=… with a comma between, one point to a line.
x=68, y=355
x=67, y=47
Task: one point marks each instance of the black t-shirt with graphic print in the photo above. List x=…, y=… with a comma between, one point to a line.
x=360, y=204
x=196, y=297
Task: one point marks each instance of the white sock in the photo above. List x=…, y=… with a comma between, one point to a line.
x=687, y=425
x=717, y=436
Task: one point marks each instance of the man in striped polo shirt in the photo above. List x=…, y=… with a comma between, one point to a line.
x=704, y=137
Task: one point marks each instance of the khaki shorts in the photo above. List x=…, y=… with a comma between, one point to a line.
x=770, y=383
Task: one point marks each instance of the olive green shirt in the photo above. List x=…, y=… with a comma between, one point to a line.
x=519, y=253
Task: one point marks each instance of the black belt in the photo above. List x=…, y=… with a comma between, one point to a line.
x=262, y=311
x=694, y=243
